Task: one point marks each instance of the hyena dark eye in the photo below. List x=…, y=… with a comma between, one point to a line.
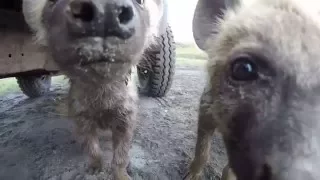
x=244, y=68
x=140, y=2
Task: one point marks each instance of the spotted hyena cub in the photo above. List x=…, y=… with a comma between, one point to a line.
x=95, y=43
x=263, y=88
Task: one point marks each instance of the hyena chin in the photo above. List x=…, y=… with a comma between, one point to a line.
x=96, y=43
x=262, y=92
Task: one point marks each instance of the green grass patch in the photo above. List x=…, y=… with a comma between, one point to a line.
x=60, y=80
x=8, y=85
x=189, y=51
x=190, y=62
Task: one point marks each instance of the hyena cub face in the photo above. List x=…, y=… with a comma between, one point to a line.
x=95, y=36
x=264, y=68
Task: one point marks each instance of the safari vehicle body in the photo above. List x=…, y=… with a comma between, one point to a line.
x=33, y=67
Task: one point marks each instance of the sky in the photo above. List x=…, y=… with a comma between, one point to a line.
x=180, y=19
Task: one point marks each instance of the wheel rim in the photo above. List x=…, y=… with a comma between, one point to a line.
x=144, y=77
x=44, y=81
x=44, y=77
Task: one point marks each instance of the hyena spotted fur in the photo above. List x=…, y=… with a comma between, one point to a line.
x=95, y=43
x=263, y=88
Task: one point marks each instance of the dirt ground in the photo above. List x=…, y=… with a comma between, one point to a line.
x=36, y=142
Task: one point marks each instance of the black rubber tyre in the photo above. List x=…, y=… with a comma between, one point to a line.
x=34, y=86
x=156, y=70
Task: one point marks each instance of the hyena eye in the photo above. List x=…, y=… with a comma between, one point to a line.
x=140, y=2
x=244, y=68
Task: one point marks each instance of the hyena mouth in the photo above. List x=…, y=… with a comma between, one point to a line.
x=101, y=61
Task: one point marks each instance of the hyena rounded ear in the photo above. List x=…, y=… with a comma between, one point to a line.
x=205, y=16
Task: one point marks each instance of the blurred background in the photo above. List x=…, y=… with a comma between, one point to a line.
x=180, y=19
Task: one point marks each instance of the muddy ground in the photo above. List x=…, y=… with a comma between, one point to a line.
x=36, y=142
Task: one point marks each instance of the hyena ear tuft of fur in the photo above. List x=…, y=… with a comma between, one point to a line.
x=205, y=18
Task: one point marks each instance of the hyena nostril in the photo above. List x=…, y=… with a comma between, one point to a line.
x=266, y=173
x=126, y=14
x=83, y=10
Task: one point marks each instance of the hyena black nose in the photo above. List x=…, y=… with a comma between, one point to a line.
x=117, y=21
x=83, y=10
x=265, y=172
x=85, y=18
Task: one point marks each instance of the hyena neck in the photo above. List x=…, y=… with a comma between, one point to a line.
x=92, y=91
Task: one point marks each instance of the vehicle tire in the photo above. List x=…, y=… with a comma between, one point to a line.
x=156, y=70
x=34, y=86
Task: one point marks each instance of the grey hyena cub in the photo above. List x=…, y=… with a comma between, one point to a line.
x=263, y=89
x=95, y=43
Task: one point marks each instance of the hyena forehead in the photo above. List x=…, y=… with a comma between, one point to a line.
x=285, y=31
x=33, y=13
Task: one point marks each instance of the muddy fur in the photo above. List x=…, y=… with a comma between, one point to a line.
x=270, y=123
x=102, y=95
